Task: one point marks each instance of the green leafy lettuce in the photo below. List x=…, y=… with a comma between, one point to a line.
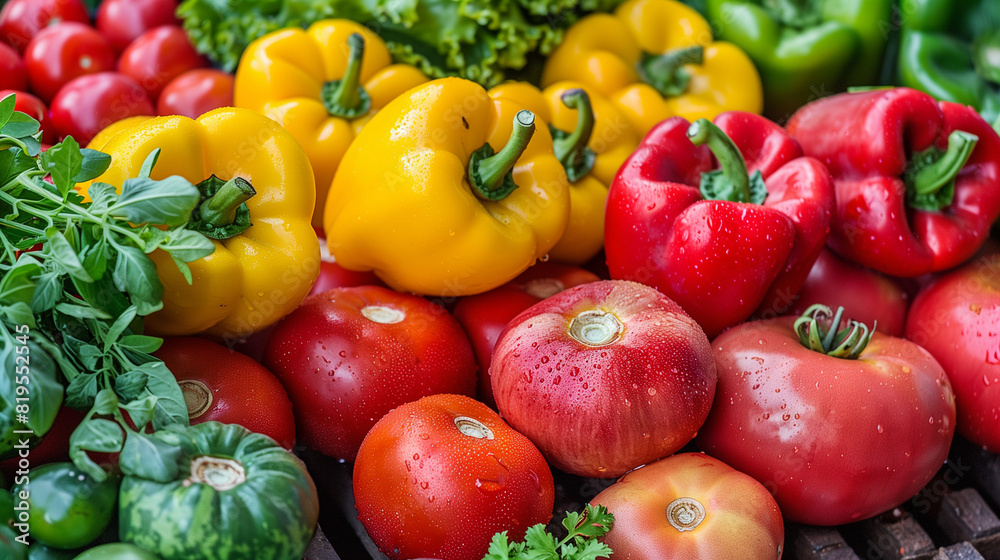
x=481, y=40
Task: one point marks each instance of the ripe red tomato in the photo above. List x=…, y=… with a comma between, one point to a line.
x=196, y=92
x=21, y=20
x=62, y=52
x=33, y=107
x=158, y=56
x=122, y=21
x=691, y=507
x=956, y=319
x=604, y=377
x=349, y=355
x=436, y=478
x=866, y=295
x=226, y=386
x=13, y=72
x=484, y=316
x=834, y=439
x=88, y=104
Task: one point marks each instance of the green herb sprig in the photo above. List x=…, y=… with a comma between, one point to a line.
x=581, y=542
x=78, y=274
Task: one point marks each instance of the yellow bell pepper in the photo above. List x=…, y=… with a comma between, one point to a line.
x=592, y=139
x=266, y=255
x=656, y=59
x=322, y=84
x=107, y=133
x=425, y=200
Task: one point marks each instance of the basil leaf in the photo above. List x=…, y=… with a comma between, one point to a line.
x=60, y=249
x=170, y=406
x=95, y=259
x=168, y=202
x=97, y=434
x=118, y=327
x=19, y=314
x=141, y=343
x=185, y=270
x=136, y=274
x=102, y=294
x=63, y=161
x=102, y=196
x=140, y=411
x=188, y=246
x=46, y=396
x=13, y=162
x=18, y=283
x=48, y=290
x=106, y=402
x=130, y=385
x=20, y=126
x=149, y=458
x=81, y=311
x=7, y=108
x=93, y=165
x=147, y=164
x=81, y=391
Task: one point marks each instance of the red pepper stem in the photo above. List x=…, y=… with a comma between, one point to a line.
x=936, y=175
x=346, y=97
x=220, y=210
x=489, y=175
x=571, y=149
x=734, y=167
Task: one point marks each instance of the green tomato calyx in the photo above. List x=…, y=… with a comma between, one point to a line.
x=819, y=329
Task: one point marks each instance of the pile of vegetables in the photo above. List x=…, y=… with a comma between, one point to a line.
x=686, y=258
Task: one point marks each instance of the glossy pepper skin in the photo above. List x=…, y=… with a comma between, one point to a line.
x=720, y=259
x=885, y=146
x=951, y=50
x=592, y=138
x=302, y=78
x=255, y=277
x=619, y=56
x=805, y=50
x=405, y=204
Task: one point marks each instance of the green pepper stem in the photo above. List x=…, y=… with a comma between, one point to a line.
x=932, y=177
x=734, y=167
x=665, y=72
x=819, y=329
x=489, y=174
x=346, y=97
x=220, y=210
x=571, y=150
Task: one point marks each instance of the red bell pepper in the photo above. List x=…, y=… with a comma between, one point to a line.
x=723, y=243
x=917, y=181
x=484, y=316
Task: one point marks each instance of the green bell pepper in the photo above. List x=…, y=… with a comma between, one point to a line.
x=951, y=50
x=805, y=49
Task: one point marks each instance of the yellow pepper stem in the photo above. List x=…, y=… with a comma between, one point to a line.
x=346, y=97
x=571, y=148
x=491, y=174
x=731, y=182
x=665, y=72
x=223, y=212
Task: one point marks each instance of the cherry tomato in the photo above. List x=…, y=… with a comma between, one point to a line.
x=691, y=507
x=21, y=20
x=122, y=21
x=226, y=386
x=349, y=355
x=436, y=478
x=956, y=318
x=866, y=295
x=484, y=316
x=196, y=92
x=158, y=56
x=90, y=103
x=332, y=275
x=62, y=52
x=13, y=72
x=33, y=107
x=835, y=439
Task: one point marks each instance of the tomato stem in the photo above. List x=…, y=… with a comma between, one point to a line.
x=819, y=329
